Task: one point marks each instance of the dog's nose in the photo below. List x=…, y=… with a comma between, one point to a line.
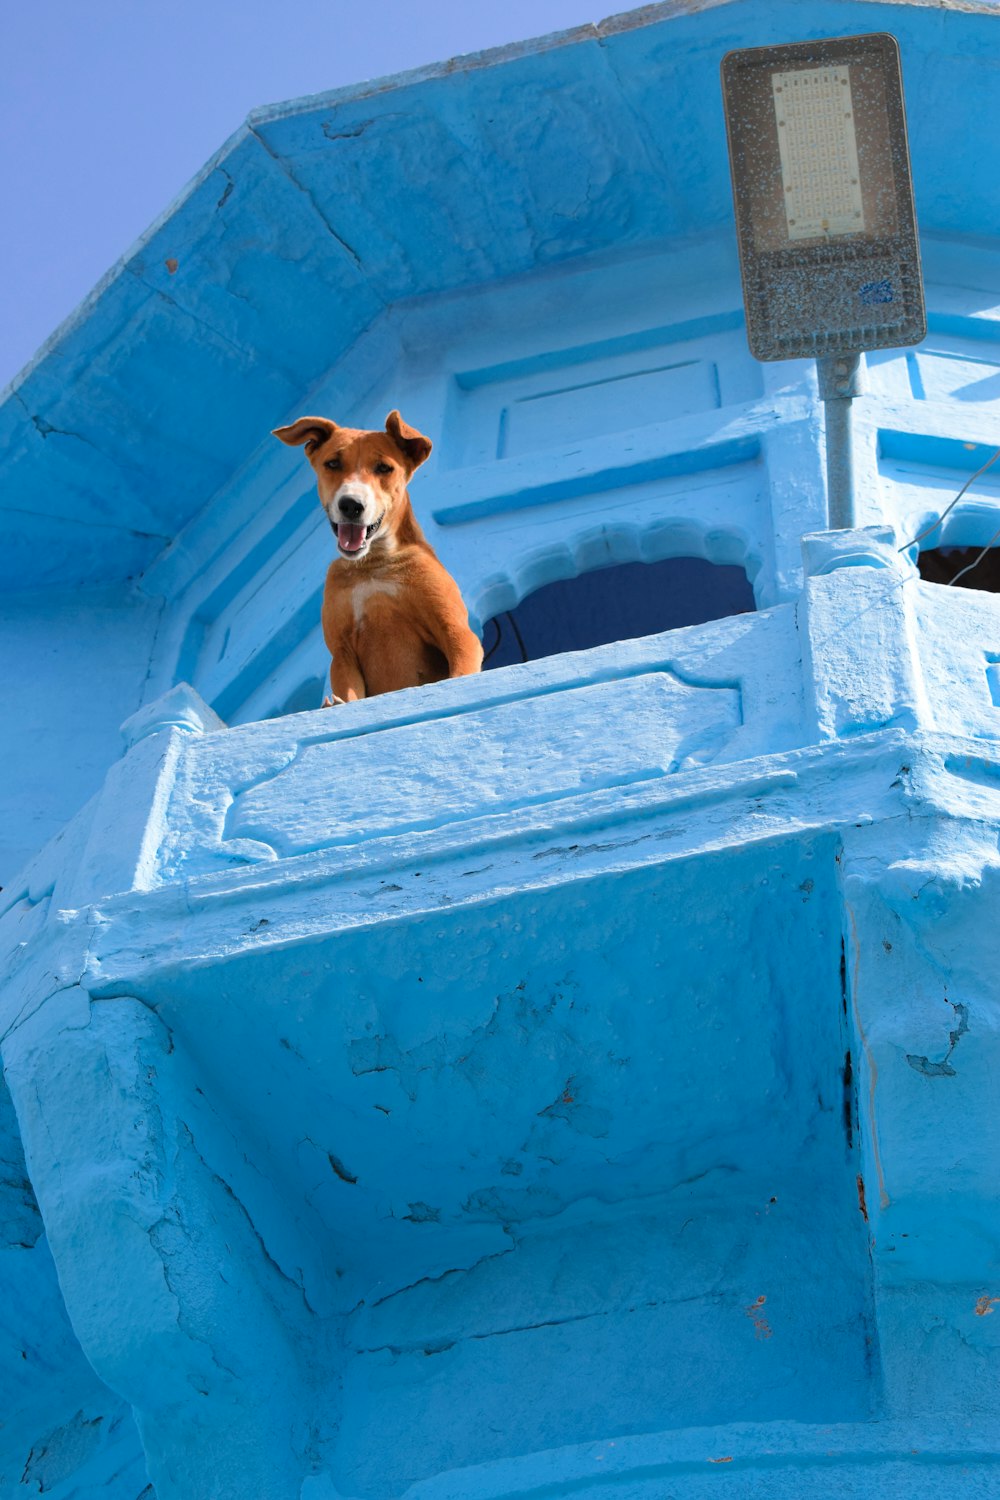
x=350, y=509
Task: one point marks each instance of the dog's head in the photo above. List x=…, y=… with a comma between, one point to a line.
x=362, y=476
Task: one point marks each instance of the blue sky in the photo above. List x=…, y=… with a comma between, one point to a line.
x=110, y=106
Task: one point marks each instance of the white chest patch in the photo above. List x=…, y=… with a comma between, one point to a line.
x=362, y=593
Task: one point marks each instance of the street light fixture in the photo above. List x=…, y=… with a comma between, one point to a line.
x=824, y=215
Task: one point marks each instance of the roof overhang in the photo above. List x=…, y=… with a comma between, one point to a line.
x=320, y=213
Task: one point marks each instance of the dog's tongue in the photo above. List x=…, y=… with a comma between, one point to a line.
x=350, y=535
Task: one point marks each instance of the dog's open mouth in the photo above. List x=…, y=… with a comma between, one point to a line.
x=353, y=537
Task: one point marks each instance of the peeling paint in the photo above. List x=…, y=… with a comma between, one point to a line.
x=556, y=957
x=943, y=1068
x=761, y=1327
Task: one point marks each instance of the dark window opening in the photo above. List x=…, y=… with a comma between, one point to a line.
x=616, y=604
x=944, y=564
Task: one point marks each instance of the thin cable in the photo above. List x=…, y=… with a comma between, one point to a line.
x=496, y=626
x=971, y=480
x=975, y=563
x=520, y=639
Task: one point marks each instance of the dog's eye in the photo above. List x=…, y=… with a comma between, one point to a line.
x=333, y=463
x=383, y=468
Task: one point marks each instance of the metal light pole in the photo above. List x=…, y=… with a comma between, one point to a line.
x=824, y=217
x=839, y=382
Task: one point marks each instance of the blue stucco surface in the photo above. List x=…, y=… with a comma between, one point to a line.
x=578, y=1079
x=499, y=1121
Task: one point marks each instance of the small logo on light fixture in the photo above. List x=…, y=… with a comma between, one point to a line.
x=874, y=292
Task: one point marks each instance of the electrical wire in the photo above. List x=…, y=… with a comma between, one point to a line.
x=951, y=506
x=975, y=562
x=492, y=651
x=520, y=638
x=495, y=622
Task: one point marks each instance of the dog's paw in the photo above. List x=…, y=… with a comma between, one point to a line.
x=332, y=700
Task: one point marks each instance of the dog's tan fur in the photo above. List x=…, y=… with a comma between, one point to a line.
x=392, y=616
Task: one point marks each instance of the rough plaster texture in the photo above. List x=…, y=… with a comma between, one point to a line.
x=585, y=378
x=268, y=268
x=580, y=1079
x=627, y=1107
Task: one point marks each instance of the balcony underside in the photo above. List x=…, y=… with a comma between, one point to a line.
x=553, y=1058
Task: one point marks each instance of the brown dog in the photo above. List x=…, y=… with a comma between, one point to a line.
x=392, y=616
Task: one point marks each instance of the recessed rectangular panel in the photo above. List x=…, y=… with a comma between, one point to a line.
x=547, y=418
x=646, y=375
x=824, y=206
x=939, y=375
x=508, y=756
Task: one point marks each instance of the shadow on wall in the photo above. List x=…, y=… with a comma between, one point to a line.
x=307, y=696
x=616, y=604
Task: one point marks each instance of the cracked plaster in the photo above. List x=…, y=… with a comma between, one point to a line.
x=589, y=1120
x=414, y=1135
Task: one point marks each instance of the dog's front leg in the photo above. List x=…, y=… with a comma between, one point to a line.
x=464, y=651
x=346, y=682
x=448, y=620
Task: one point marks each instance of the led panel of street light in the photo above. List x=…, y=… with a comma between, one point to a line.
x=824, y=205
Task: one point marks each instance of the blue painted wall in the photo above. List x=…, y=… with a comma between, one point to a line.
x=76, y=663
x=576, y=1079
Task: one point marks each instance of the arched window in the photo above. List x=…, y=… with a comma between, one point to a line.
x=615, y=604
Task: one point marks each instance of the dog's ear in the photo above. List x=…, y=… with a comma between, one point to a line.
x=411, y=443
x=309, y=430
